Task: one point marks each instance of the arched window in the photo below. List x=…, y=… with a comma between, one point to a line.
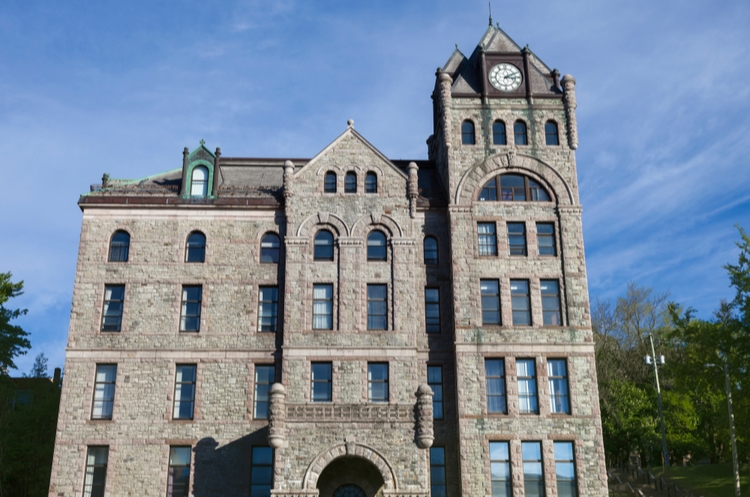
x=195, y=250
x=519, y=133
x=323, y=246
x=350, y=182
x=376, y=250
x=467, y=133
x=550, y=133
x=430, y=250
x=329, y=186
x=119, y=247
x=199, y=182
x=269, y=249
x=489, y=191
x=371, y=183
x=519, y=188
x=498, y=133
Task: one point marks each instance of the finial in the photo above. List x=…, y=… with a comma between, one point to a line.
x=456, y=46
x=350, y=123
x=497, y=25
x=490, y=5
x=203, y=142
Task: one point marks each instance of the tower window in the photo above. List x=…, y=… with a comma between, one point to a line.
x=184, y=391
x=516, y=188
x=487, y=238
x=377, y=307
x=435, y=381
x=329, y=185
x=519, y=133
x=498, y=133
x=430, y=250
x=519, y=292
x=321, y=381
x=467, y=133
x=199, y=182
x=494, y=370
x=432, y=310
x=190, y=315
x=323, y=307
x=350, y=183
x=550, y=133
x=551, y=302
x=179, y=472
x=119, y=247
x=526, y=372
x=490, y=301
x=114, y=297
x=371, y=183
x=264, y=378
x=195, y=251
x=489, y=191
x=323, y=246
x=376, y=249
x=269, y=249
x=437, y=472
x=545, y=238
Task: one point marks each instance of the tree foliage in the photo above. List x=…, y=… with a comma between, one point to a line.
x=13, y=341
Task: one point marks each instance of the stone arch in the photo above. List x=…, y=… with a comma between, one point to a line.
x=349, y=449
x=332, y=221
x=377, y=220
x=482, y=171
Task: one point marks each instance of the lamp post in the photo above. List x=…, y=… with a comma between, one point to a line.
x=735, y=462
x=664, y=451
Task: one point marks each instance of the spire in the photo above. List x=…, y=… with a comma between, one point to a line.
x=490, y=5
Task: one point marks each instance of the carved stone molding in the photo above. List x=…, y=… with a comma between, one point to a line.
x=413, y=188
x=424, y=429
x=569, y=102
x=348, y=412
x=277, y=416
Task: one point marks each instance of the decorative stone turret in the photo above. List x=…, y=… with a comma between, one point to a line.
x=569, y=101
x=445, y=81
x=413, y=184
x=425, y=433
x=277, y=416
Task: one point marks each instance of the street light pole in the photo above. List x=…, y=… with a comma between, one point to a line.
x=735, y=462
x=664, y=451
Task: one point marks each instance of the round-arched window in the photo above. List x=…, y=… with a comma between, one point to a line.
x=371, y=183
x=350, y=182
x=467, y=133
x=323, y=246
x=269, y=249
x=550, y=133
x=376, y=250
x=519, y=133
x=195, y=250
x=349, y=490
x=119, y=247
x=329, y=184
x=199, y=182
x=430, y=250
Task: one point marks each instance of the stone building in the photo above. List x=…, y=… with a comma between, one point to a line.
x=346, y=325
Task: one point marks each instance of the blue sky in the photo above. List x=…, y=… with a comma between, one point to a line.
x=121, y=87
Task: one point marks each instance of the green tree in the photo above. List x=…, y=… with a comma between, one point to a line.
x=39, y=369
x=13, y=341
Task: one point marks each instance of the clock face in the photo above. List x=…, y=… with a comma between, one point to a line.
x=505, y=77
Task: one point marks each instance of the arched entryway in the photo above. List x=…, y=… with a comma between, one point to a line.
x=350, y=476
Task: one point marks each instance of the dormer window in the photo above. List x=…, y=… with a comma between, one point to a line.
x=199, y=182
x=550, y=133
x=513, y=187
x=519, y=133
x=329, y=185
x=467, y=133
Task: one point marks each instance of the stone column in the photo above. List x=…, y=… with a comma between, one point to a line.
x=569, y=101
x=277, y=416
x=425, y=433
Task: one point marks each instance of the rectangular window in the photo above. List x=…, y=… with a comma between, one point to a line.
x=494, y=370
x=114, y=295
x=517, y=238
x=190, y=317
x=268, y=308
x=526, y=372
x=565, y=469
x=551, y=302
x=96, y=471
x=557, y=373
x=261, y=472
x=264, y=377
x=104, y=391
x=435, y=381
x=490, y=301
x=500, y=469
x=519, y=292
x=323, y=307
x=533, y=478
x=377, y=307
x=321, y=382
x=432, y=310
x=377, y=381
x=487, y=239
x=437, y=472
x=184, y=391
x=545, y=237
x=178, y=477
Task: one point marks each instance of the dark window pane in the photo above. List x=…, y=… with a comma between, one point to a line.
x=321, y=381
x=551, y=302
x=377, y=308
x=269, y=249
x=114, y=296
x=430, y=250
x=119, y=247
x=261, y=472
x=467, y=133
x=191, y=308
x=196, y=248
x=264, y=378
x=512, y=187
x=536, y=192
x=329, y=186
x=268, y=308
x=184, y=391
x=495, y=384
x=500, y=469
x=550, y=133
x=519, y=291
x=490, y=302
x=323, y=246
x=517, y=238
x=519, y=131
x=498, y=133
x=432, y=310
x=371, y=183
x=350, y=183
x=545, y=235
x=489, y=191
x=376, y=246
x=435, y=381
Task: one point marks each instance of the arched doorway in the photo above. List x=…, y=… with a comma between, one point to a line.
x=350, y=476
x=349, y=490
